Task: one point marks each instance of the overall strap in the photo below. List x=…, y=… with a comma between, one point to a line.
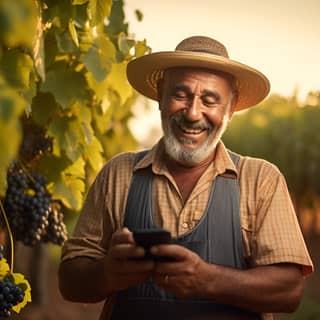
x=139, y=203
x=234, y=157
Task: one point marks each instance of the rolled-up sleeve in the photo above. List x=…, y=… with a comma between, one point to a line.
x=277, y=236
x=89, y=234
x=103, y=210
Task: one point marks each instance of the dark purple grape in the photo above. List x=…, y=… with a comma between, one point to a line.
x=10, y=295
x=30, y=209
x=35, y=143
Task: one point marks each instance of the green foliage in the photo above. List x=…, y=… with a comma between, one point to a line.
x=11, y=107
x=98, y=10
x=139, y=15
x=100, y=57
x=284, y=132
x=68, y=74
x=17, y=17
x=308, y=310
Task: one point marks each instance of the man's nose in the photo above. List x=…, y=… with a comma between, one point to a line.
x=193, y=110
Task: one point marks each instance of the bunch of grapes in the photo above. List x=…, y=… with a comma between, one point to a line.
x=10, y=295
x=29, y=207
x=35, y=143
x=56, y=231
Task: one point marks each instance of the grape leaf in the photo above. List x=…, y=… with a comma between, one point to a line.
x=99, y=10
x=51, y=166
x=125, y=44
x=100, y=57
x=68, y=136
x=116, y=20
x=66, y=43
x=141, y=48
x=100, y=88
x=23, y=283
x=30, y=92
x=18, y=22
x=59, y=13
x=12, y=105
x=84, y=117
x=117, y=80
x=66, y=179
x=118, y=139
x=75, y=2
x=38, y=51
x=4, y=268
x=66, y=85
x=93, y=153
x=16, y=67
x=73, y=33
x=10, y=145
x=75, y=170
x=70, y=192
x=138, y=14
x=43, y=108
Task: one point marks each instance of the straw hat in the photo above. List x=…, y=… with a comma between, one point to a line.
x=201, y=52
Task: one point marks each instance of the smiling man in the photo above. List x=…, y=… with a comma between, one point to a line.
x=238, y=252
x=196, y=106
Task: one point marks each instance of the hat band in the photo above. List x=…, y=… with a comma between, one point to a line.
x=207, y=51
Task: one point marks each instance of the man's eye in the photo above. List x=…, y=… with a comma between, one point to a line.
x=209, y=102
x=180, y=95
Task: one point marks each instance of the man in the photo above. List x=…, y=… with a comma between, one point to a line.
x=239, y=252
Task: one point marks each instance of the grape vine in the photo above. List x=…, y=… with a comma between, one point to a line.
x=65, y=106
x=35, y=143
x=10, y=296
x=14, y=289
x=30, y=209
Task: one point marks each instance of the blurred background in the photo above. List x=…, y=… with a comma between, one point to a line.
x=66, y=108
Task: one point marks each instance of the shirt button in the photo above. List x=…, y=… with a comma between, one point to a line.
x=185, y=225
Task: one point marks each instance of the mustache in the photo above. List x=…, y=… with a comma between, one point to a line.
x=181, y=121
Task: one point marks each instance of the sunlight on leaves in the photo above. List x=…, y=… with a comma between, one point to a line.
x=99, y=10
x=24, y=284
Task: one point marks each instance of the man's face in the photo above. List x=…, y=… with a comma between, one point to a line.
x=195, y=105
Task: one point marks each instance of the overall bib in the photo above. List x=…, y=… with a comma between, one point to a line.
x=216, y=239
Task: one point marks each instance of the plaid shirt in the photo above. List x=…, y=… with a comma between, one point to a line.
x=270, y=229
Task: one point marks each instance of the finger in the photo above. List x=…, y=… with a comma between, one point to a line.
x=124, y=251
x=122, y=236
x=165, y=281
x=134, y=267
x=175, y=252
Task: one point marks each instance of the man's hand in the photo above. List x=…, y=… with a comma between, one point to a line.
x=121, y=271
x=180, y=277
x=84, y=279
x=270, y=288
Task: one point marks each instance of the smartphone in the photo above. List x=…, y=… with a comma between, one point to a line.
x=147, y=238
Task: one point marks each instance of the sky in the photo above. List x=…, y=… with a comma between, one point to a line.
x=278, y=37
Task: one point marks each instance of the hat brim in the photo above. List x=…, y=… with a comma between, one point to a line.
x=144, y=73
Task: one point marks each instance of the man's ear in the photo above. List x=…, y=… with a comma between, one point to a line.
x=233, y=105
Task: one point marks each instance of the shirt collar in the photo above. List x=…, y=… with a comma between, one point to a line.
x=222, y=163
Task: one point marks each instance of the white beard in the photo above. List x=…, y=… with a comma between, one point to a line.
x=188, y=157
